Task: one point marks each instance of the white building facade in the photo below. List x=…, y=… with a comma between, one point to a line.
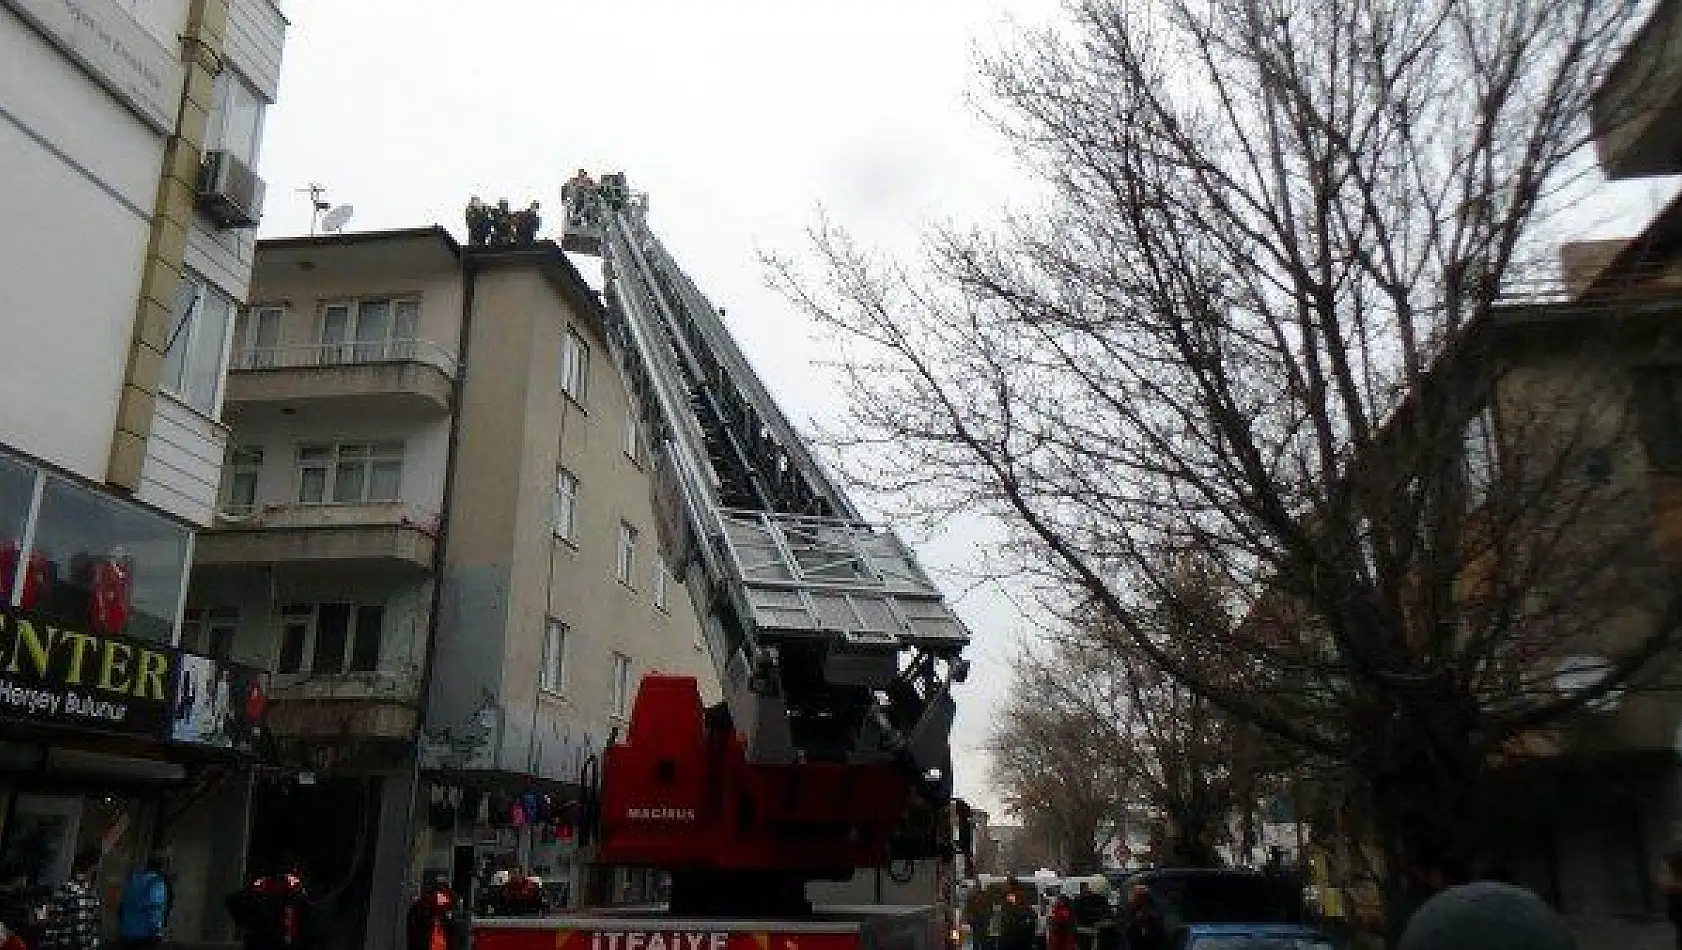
x=130, y=133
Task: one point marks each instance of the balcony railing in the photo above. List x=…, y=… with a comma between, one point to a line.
x=312, y=355
x=291, y=514
x=382, y=684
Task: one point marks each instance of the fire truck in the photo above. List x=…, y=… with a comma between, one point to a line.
x=826, y=771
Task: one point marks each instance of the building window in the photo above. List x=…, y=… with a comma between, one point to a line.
x=350, y=473
x=575, y=366
x=210, y=630
x=633, y=435
x=245, y=465
x=627, y=554
x=198, y=337
x=619, y=692
x=87, y=543
x=257, y=338
x=368, y=331
x=1478, y=455
x=566, y=505
x=17, y=496
x=330, y=638
x=552, y=676
x=236, y=118
x=661, y=579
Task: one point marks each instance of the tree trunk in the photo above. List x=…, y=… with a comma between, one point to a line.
x=1429, y=816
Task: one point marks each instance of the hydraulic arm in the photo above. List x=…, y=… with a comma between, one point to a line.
x=835, y=653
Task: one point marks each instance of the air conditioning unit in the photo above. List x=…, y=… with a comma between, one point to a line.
x=229, y=191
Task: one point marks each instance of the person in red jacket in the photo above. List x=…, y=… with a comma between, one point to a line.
x=436, y=921
x=271, y=912
x=1060, y=925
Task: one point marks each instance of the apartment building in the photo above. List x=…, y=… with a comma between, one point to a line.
x=129, y=140
x=436, y=529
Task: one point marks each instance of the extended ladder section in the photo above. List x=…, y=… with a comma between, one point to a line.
x=831, y=643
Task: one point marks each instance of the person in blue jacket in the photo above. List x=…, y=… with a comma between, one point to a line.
x=145, y=907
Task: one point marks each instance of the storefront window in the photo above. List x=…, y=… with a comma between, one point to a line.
x=115, y=568
x=17, y=485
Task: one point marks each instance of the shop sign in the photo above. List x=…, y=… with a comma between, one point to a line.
x=52, y=673
x=116, y=49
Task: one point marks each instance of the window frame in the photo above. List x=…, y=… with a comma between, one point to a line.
x=1480, y=455
x=243, y=460
x=619, y=685
x=633, y=445
x=208, y=623
x=661, y=585
x=390, y=347
x=353, y=636
x=336, y=458
x=552, y=671
x=565, y=503
x=625, y=555
x=216, y=127
x=574, y=375
x=185, y=329
x=247, y=352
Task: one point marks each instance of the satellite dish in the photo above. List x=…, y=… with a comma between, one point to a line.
x=337, y=218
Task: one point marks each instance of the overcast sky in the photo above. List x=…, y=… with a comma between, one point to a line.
x=739, y=118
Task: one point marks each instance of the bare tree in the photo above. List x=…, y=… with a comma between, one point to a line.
x=1189, y=763
x=1057, y=764
x=1258, y=316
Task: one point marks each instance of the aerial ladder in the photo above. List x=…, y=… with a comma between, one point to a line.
x=835, y=654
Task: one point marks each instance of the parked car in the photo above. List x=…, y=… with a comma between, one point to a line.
x=1191, y=896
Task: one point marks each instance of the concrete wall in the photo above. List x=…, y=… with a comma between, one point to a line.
x=391, y=888
x=208, y=845
x=507, y=572
x=78, y=170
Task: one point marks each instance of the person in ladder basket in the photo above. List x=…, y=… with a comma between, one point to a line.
x=436, y=921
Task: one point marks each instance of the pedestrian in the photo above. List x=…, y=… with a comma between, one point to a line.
x=1093, y=913
x=23, y=908
x=145, y=907
x=272, y=912
x=73, y=915
x=435, y=920
x=1671, y=886
x=1060, y=925
x=978, y=913
x=1018, y=918
x=1142, y=926
x=1486, y=915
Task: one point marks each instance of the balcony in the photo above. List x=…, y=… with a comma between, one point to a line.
x=389, y=533
x=334, y=706
x=381, y=376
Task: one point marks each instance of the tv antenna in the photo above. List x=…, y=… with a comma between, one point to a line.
x=317, y=204
x=337, y=218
